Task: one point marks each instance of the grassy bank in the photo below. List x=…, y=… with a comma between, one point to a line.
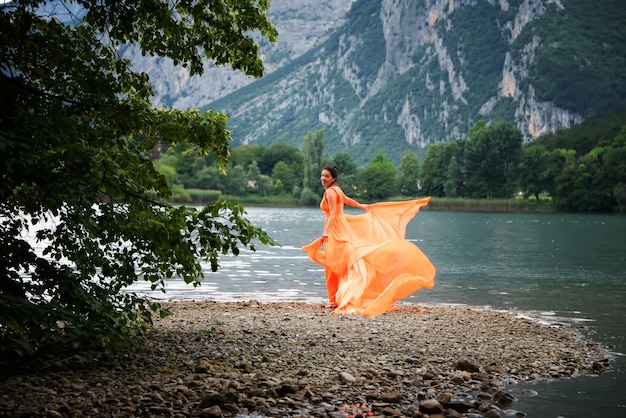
x=490, y=205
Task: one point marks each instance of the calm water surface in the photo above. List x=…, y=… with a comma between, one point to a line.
x=554, y=267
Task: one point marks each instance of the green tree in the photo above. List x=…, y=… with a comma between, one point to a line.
x=284, y=173
x=586, y=184
x=565, y=182
x=348, y=171
x=434, y=172
x=312, y=146
x=409, y=175
x=378, y=180
x=76, y=132
x=171, y=179
x=210, y=178
x=532, y=171
x=616, y=166
x=280, y=151
x=552, y=169
x=234, y=181
x=451, y=186
x=476, y=129
x=344, y=163
x=243, y=155
x=187, y=164
x=492, y=156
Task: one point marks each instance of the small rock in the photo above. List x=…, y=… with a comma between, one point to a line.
x=347, y=377
x=451, y=413
x=466, y=366
x=392, y=397
x=503, y=399
x=211, y=399
x=514, y=413
x=212, y=411
x=444, y=397
x=391, y=412
x=481, y=377
x=413, y=411
x=459, y=406
x=286, y=388
x=529, y=392
x=431, y=406
x=256, y=393
x=483, y=395
x=598, y=368
x=492, y=413
x=428, y=376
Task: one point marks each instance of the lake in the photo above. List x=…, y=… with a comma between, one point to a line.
x=568, y=268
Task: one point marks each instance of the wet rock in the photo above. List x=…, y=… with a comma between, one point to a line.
x=503, y=399
x=484, y=395
x=492, y=413
x=529, y=392
x=514, y=413
x=597, y=367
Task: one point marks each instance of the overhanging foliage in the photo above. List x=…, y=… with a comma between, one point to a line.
x=76, y=129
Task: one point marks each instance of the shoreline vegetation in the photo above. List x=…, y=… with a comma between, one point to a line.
x=296, y=359
x=544, y=205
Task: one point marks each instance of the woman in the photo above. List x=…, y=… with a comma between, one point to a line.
x=368, y=264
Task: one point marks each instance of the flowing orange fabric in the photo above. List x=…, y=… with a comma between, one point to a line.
x=368, y=264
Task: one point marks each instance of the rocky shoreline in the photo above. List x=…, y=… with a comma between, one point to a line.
x=252, y=359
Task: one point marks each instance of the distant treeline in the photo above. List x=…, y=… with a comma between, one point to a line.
x=582, y=169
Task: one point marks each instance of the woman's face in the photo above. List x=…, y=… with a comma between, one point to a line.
x=326, y=178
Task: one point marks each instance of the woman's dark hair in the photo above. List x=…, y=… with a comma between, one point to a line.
x=334, y=171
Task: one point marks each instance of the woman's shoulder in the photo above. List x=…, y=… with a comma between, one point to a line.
x=334, y=191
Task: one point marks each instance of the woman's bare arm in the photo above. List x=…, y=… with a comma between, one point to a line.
x=351, y=202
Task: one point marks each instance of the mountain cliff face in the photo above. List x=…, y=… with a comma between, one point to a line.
x=399, y=75
x=300, y=24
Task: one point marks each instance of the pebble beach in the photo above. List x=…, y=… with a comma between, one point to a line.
x=252, y=359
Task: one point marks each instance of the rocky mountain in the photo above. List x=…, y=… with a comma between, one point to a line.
x=400, y=75
x=301, y=24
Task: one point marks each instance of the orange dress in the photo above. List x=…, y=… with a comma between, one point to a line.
x=368, y=264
